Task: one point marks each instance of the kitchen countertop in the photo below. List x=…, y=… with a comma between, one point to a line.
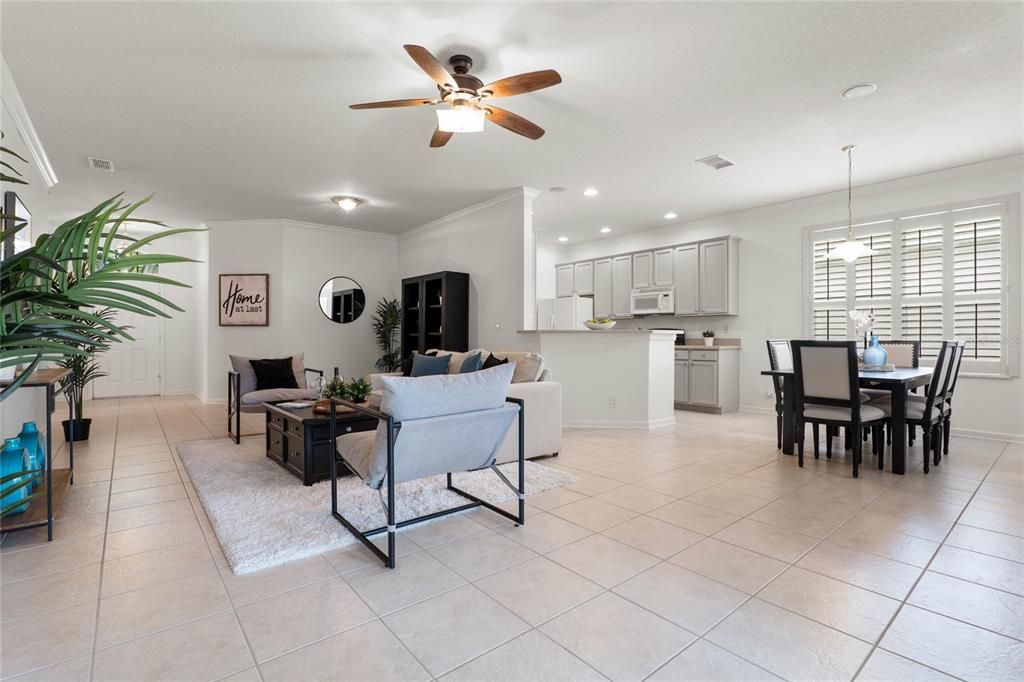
x=597, y=332
x=701, y=346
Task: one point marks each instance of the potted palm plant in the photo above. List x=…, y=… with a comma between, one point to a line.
x=85, y=369
x=386, y=323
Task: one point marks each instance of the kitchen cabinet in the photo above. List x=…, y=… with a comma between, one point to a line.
x=663, y=268
x=715, y=289
x=707, y=380
x=564, y=280
x=643, y=269
x=622, y=285
x=687, y=279
x=603, y=288
x=583, y=278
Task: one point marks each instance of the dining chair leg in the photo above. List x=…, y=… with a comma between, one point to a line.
x=857, y=445
x=865, y=435
x=828, y=441
x=800, y=444
x=848, y=438
x=945, y=436
x=912, y=435
x=937, y=444
x=888, y=434
x=926, y=446
x=814, y=425
x=778, y=431
x=881, y=447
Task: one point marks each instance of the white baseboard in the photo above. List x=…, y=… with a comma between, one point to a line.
x=757, y=409
x=988, y=435
x=607, y=424
x=181, y=391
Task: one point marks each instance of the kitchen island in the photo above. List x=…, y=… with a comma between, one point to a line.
x=613, y=379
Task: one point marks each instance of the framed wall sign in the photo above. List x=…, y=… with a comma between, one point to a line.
x=244, y=300
x=15, y=214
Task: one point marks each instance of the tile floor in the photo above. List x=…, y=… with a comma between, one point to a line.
x=695, y=552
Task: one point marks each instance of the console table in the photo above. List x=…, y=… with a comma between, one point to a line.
x=300, y=439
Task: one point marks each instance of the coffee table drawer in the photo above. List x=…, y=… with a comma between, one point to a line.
x=295, y=453
x=275, y=444
x=322, y=432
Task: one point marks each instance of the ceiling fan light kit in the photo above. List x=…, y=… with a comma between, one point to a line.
x=467, y=97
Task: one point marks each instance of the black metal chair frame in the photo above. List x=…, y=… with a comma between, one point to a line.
x=235, y=401
x=392, y=526
x=853, y=425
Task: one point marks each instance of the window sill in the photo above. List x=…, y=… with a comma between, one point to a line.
x=982, y=375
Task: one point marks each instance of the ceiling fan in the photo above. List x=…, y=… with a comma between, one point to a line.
x=468, y=98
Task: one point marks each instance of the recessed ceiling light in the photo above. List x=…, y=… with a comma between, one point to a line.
x=590, y=192
x=858, y=90
x=556, y=189
x=670, y=216
x=346, y=203
x=605, y=230
x=563, y=239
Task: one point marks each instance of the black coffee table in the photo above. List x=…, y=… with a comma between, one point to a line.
x=300, y=439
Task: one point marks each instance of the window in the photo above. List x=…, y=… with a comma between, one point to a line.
x=933, y=276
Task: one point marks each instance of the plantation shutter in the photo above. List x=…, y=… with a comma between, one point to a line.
x=977, y=287
x=872, y=276
x=829, y=293
x=921, y=278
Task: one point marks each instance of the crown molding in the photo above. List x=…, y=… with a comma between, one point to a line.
x=517, y=193
x=17, y=111
x=288, y=222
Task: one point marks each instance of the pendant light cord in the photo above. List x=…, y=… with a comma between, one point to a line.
x=849, y=189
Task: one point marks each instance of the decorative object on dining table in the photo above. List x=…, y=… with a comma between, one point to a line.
x=709, y=337
x=599, y=324
x=875, y=357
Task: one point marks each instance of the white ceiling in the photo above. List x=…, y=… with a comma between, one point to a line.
x=239, y=109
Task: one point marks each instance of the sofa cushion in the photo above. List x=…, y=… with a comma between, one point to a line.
x=275, y=394
x=427, y=365
x=247, y=377
x=407, y=363
x=274, y=373
x=472, y=363
x=421, y=397
x=528, y=365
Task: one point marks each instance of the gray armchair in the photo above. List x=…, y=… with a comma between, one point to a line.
x=430, y=426
x=243, y=396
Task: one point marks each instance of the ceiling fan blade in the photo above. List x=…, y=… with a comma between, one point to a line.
x=392, y=103
x=514, y=122
x=524, y=82
x=431, y=66
x=440, y=138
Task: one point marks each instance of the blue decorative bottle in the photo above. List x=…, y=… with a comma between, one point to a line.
x=35, y=446
x=874, y=354
x=13, y=459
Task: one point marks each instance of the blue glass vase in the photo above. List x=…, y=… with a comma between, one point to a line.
x=35, y=446
x=13, y=459
x=874, y=354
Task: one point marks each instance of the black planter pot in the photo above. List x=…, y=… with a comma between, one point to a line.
x=81, y=429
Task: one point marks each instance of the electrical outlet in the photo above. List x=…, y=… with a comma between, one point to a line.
x=725, y=329
x=611, y=402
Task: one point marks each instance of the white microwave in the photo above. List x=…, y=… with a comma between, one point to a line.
x=653, y=301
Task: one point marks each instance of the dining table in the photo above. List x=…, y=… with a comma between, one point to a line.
x=899, y=382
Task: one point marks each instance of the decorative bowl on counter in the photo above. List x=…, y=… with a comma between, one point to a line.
x=599, y=325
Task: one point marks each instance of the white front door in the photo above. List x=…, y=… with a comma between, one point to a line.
x=132, y=367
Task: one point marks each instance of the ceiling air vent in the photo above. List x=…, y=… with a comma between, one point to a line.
x=716, y=161
x=101, y=164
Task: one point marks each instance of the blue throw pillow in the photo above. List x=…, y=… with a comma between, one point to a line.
x=471, y=364
x=426, y=365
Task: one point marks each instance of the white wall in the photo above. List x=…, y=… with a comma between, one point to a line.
x=548, y=256
x=299, y=257
x=771, y=267
x=493, y=242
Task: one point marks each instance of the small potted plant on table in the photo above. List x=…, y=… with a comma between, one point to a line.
x=709, y=337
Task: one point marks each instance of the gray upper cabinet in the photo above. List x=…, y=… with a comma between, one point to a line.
x=583, y=278
x=717, y=283
x=643, y=269
x=663, y=268
x=603, y=288
x=687, y=278
x=622, y=284
x=564, y=276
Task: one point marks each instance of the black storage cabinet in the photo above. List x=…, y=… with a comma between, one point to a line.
x=435, y=312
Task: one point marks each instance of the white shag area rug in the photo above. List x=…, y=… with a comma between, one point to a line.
x=263, y=516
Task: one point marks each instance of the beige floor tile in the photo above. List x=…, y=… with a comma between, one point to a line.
x=50, y=592
x=149, y=514
x=138, y=498
x=288, y=621
x=594, y=632
x=66, y=528
x=538, y=590
x=531, y=656
x=730, y=565
x=443, y=530
x=980, y=568
x=837, y=604
x=448, y=630
x=955, y=648
x=727, y=500
x=594, y=514
x=778, y=543
x=603, y=560
x=42, y=640
x=679, y=483
x=869, y=571
x=972, y=603
x=147, y=538
x=544, y=532
x=886, y=543
x=245, y=589
x=815, y=519
x=368, y=653
x=72, y=670
x=987, y=542
x=416, y=577
x=1010, y=524
x=206, y=649
x=755, y=487
x=352, y=558
x=152, y=568
x=695, y=517
x=687, y=599
x=640, y=500
x=883, y=666
x=789, y=645
x=123, y=485
x=706, y=662
x=52, y=557
x=593, y=484
x=126, y=616
x=653, y=536
x=481, y=554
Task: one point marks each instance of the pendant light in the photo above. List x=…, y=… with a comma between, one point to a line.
x=851, y=249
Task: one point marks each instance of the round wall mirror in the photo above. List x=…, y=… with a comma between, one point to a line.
x=342, y=299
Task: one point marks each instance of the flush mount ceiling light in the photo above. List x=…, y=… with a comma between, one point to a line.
x=563, y=239
x=460, y=119
x=346, y=203
x=590, y=192
x=851, y=249
x=670, y=216
x=605, y=230
x=858, y=90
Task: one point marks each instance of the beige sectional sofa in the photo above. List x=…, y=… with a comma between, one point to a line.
x=542, y=401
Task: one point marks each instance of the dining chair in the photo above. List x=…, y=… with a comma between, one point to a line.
x=948, y=398
x=780, y=357
x=902, y=353
x=827, y=392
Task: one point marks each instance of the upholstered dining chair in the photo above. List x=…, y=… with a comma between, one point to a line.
x=962, y=347
x=780, y=357
x=827, y=392
x=429, y=426
x=902, y=353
